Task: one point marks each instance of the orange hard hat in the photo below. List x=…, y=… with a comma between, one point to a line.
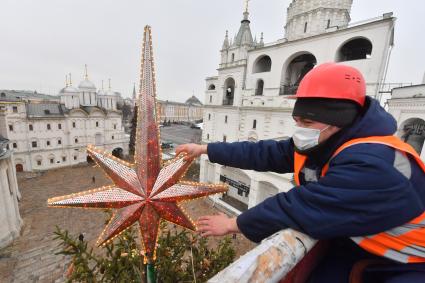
x=334, y=81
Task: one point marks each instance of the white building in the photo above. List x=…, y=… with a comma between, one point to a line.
x=50, y=134
x=407, y=105
x=247, y=99
x=10, y=219
x=189, y=111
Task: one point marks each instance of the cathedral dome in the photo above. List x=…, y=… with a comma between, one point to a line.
x=87, y=85
x=69, y=89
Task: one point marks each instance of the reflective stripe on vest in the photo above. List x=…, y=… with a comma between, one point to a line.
x=405, y=243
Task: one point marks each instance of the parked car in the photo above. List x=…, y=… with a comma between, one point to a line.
x=166, y=145
x=197, y=126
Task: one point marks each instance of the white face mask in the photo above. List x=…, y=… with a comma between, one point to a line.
x=305, y=138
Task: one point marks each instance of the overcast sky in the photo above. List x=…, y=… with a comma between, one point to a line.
x=43, y=40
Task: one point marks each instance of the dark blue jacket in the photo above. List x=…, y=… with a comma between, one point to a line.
x=361, y=194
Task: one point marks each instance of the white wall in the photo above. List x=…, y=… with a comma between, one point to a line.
x=10, y=218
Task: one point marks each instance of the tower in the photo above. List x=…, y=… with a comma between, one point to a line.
x=236, y=50
x=306, y=18
x=87, y=91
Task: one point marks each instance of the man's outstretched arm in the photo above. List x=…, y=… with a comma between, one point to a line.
x=268, y=155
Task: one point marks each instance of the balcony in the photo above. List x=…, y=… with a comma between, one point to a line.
x=228, y=101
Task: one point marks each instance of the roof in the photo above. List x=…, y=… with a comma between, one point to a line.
x=45, y=110
x=90, y=109
x=16, y=95
x=244, y=35
x=193, y=100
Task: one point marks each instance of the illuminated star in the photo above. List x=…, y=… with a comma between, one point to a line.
x=147, y=191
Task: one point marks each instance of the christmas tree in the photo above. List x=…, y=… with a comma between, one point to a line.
x=182, y=256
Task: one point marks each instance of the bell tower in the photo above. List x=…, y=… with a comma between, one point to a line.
x=307, y=18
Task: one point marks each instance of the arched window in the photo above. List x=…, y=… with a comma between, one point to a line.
x=262, y=64
x=233, y=57
x=229, y=91
x=254, y=124
x=211, y=87
x=295, y=71
x=260, y=87
x=355, y=49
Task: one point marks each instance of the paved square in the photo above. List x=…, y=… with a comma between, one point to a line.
x=31, y=258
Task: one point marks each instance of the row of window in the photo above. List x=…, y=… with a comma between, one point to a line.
x=52, y=160
x=34, y=144
x=49, y=127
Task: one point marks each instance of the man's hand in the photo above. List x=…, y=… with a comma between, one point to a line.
x=192, y=150
x=217, y=225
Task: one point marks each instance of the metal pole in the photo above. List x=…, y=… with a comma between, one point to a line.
x=150, y=272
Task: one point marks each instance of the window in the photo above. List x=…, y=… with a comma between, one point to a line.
x=31, y=127
x=115, y=126
x=59, y=142
x=11, y=128
x=49, y=127
x=63, y=159
x=329, y=24
x=39, y=162
x=210, y=98
x=211, y=87
x=260, y=87
x=262, y=64
x=15, y=109
x=52, y=160
x=209, y=117
x=34, y=144
x=355, y=49
x=73, y=124
x=224, y=138
x=97, y=124
x=305, y=27
x=208, y=136
x=59, y=126
x=76, y=140
x=225, y=119
x=254, y=124
x=113, y=137
x=233, y=57
x=75, y=157
x=15, y=145
x=48, y=143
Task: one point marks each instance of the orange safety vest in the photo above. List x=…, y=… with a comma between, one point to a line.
x=405, y=243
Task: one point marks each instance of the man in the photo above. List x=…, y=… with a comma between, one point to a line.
x=357, y=185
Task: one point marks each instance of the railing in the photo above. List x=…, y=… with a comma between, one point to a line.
x=228, y=102
x=270, y=261
x=387, y=87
